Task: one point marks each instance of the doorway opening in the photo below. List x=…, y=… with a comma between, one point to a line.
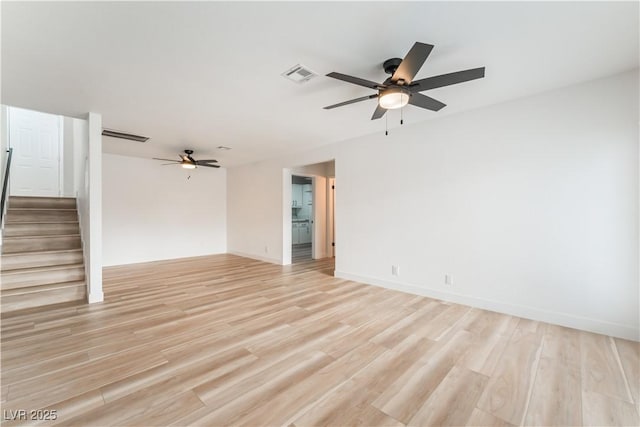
x=309, y=208
x=301, y=218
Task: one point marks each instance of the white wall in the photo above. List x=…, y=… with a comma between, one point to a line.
x=74, y=140
x=326, y=169
x=68, y=153
x=256, y=213
x=531, y=206
x=152, y=212
x=4, y=146
x=4, y=137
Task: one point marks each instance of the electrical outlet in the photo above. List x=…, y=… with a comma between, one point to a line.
x=448, y=280
x=395, y=270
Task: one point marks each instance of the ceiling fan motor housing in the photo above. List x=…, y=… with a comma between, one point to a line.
x=391, y=65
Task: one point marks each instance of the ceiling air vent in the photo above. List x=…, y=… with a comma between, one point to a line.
x=124, y=135
x=299, y=74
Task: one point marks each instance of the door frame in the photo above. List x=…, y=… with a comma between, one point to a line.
x=331, y=216
x=318, y=248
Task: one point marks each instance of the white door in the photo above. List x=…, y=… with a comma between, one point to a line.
x=35, y=165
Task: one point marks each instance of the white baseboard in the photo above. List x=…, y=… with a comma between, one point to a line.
x=562, y=319
x=257, y=257
x=96, y=297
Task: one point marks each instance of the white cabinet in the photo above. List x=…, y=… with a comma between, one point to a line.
x=296, y=196
x=295, y=234
x=307, y=201
x=300, y=232
x=304, y=233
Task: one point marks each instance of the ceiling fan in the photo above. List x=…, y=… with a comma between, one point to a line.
x=400, y=89
x=188, y=162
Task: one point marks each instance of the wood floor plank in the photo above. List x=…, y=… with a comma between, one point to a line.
x=347, y=406
x=509, y=389
x=481, y=418
x=164, y=413
x=484, y=354
x=285, y=407
x=391, y=336
x=630, y=358
x=413, y=387
x=129, y=399
x=600, y=410
x=556, y=399
x=562, y=344
x=453, y=400
x=601, y=369
x=258, y=392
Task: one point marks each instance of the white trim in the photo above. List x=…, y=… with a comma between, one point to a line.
x=94, y=196
x=563, y=319
x=257, y=257
x=60, y=156
x=95, y=297
x=331, y=202
x=286, y=216
x=319, y=213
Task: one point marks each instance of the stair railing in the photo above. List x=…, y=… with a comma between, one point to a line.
x=5, y=187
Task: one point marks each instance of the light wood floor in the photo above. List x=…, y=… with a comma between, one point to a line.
x=301, y=253
x=226, y=340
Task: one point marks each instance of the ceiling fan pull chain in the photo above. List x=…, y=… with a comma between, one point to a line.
x=401, y=120
x=386, y=124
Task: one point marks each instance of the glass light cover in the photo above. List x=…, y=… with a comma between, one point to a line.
x=393, y=98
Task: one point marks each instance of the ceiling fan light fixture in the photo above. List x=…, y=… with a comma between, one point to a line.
x=187, y=165
x=393, y=98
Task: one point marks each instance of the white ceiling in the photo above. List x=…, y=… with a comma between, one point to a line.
x=199, y=75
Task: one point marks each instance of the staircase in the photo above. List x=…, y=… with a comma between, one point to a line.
x=41, y=261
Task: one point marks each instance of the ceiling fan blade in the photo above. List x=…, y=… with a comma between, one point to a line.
x=166, y=160
x=355, y=80
x=208, y=165
x=166, y=164
x=447, y=79
x=412, y=63
x=207, y=161
x=351, y=101
x=423, y=101
x=379, y=112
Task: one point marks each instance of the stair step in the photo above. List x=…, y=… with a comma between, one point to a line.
x=42, y=202
x=40, y=259
x=21, y=229
x=40, y=243
x=37, y=215
x=37, y=276
x=37, y=296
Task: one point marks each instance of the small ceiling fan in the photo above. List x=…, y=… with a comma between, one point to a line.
x=400, y=89
x=188, y=162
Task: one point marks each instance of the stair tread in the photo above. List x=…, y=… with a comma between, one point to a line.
x=54, y=251
x=43, y=236
x=44, y=222
x=9, y=210
x=41, y=288
x=41, y=197
x=43, y=268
